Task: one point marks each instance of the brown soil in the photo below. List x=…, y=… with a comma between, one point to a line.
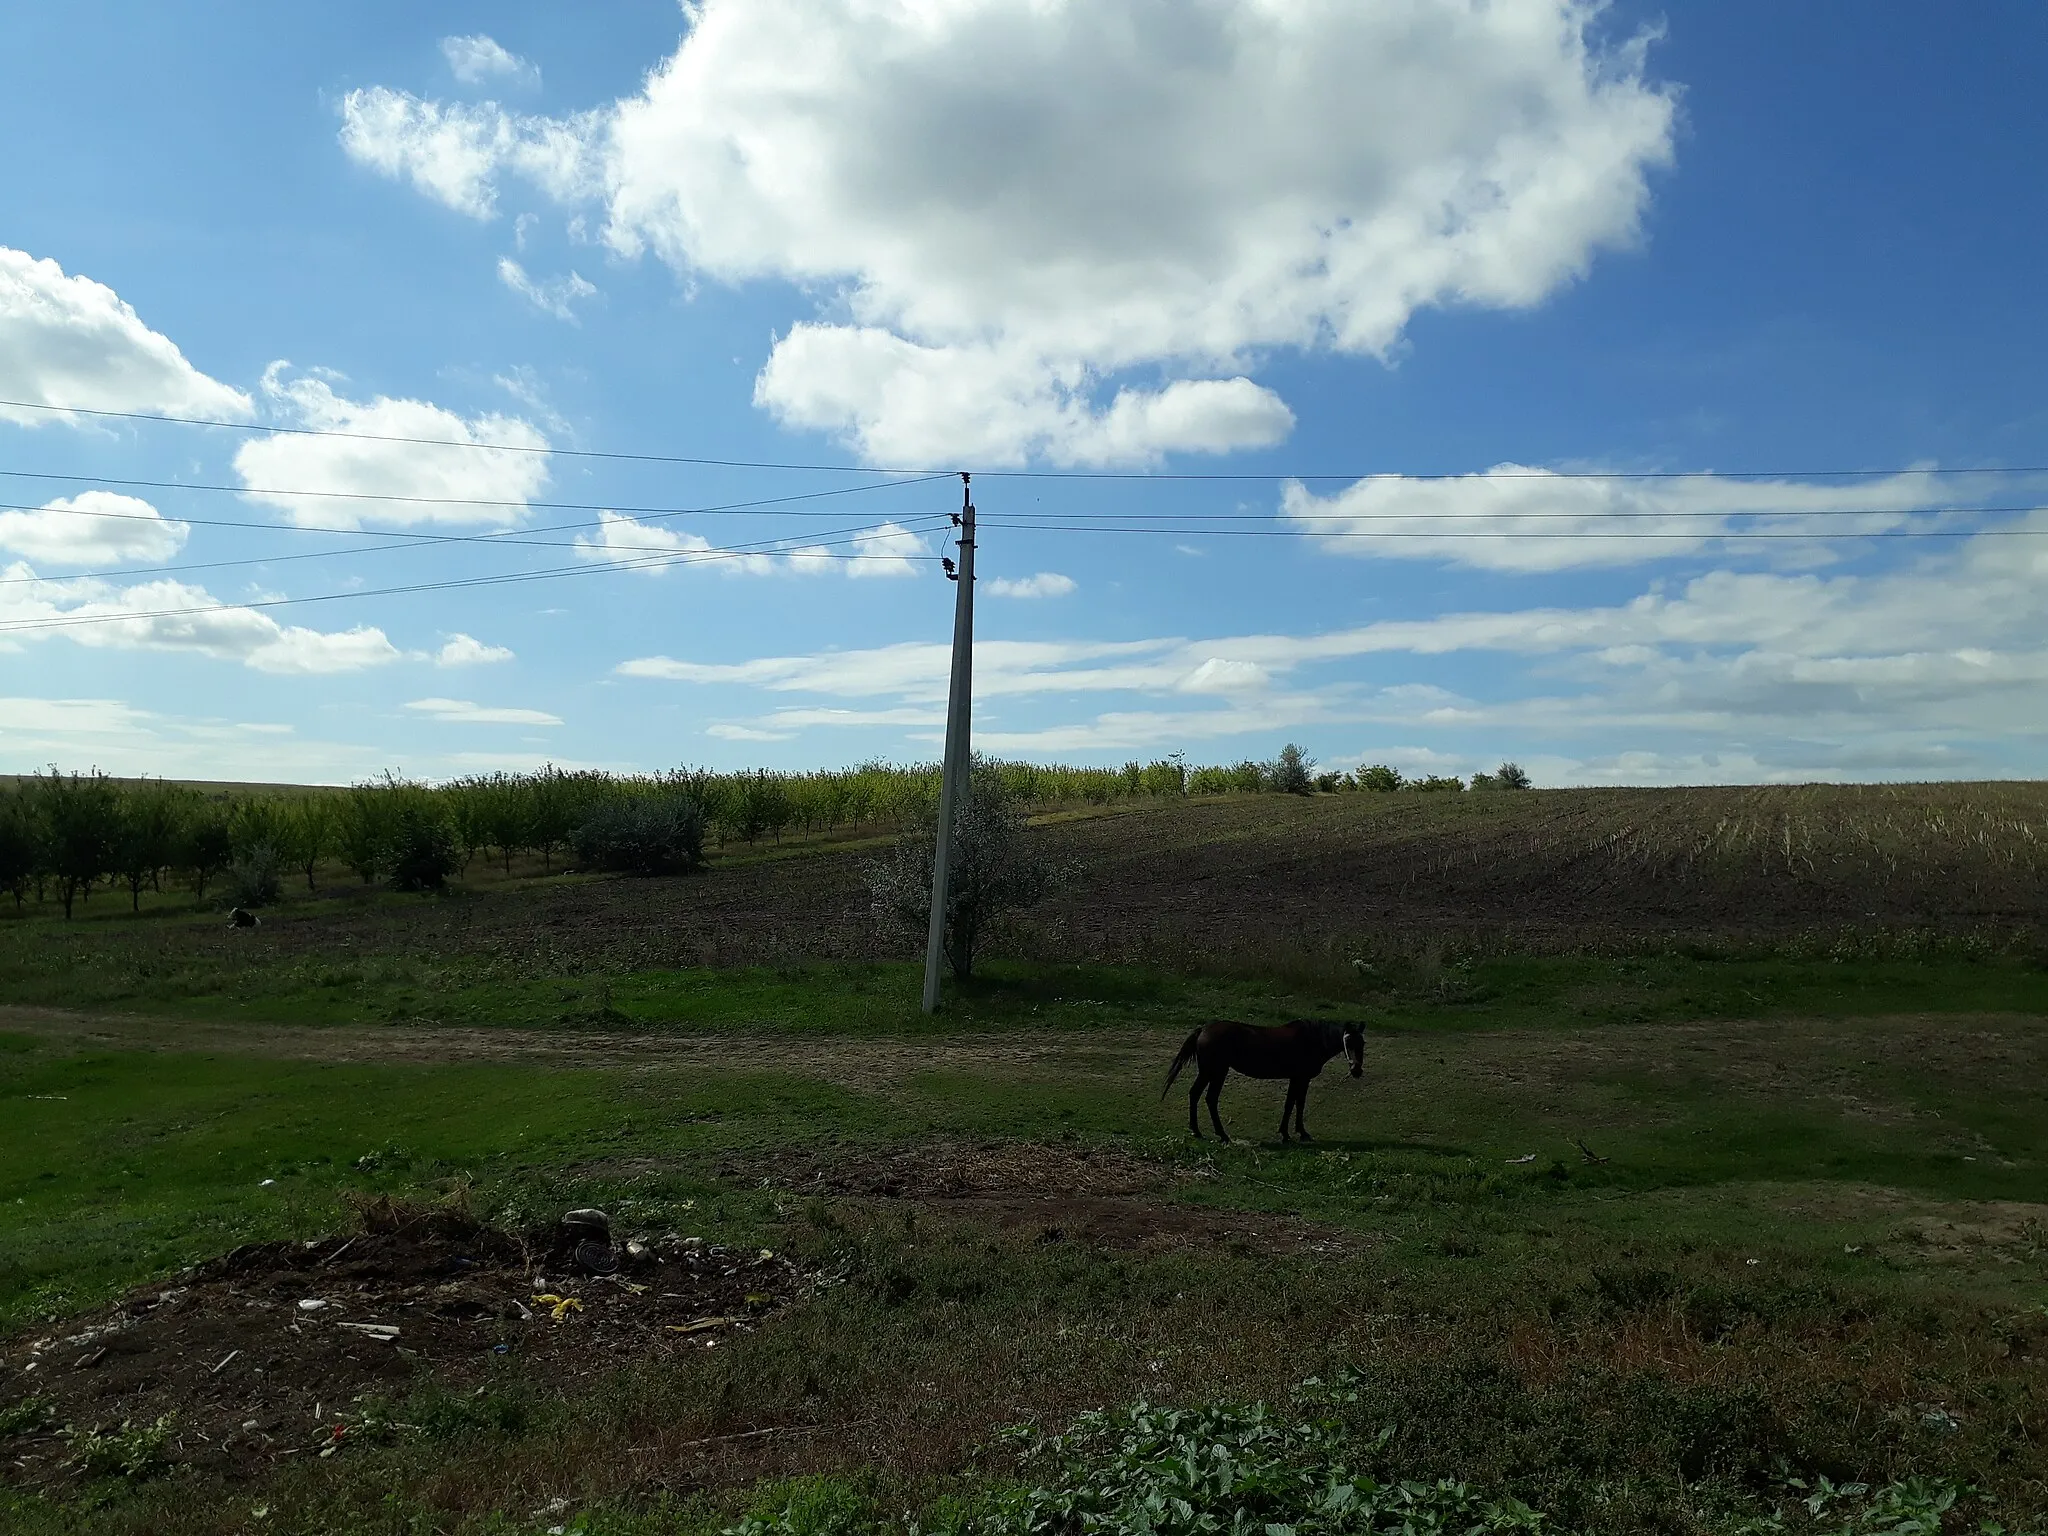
x=1262, y=876
x=280, y=1350
x=1101, y=1197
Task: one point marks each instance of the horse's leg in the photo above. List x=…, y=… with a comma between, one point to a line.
x=1287, y=1107
x=1300, y=1107
x=1215, y=1093
x=1194, y=1100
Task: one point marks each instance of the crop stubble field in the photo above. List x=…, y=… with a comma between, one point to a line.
x=1801, y=1031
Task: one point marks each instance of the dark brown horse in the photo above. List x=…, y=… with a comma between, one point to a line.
x=1296, y=1051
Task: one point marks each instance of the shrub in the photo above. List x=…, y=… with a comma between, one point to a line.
x=423, y=850
x=1380, y=779
x=994, y=870
x=257, y=879
x=1436, y=783
x=1289, y=773
x=644, y=835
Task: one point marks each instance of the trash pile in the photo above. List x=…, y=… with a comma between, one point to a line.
x=272, y=1350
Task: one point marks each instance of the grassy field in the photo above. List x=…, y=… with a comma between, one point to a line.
x=1668, y=1222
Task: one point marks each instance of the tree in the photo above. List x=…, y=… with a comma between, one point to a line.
x=994, y=870
x=206, y=845
x=309, y=833
x=1510, y=776
x=21, y=845
x=1291, y=772
x=80, y=820
x=363, y=827
x=1380, y=779
x=146, y=837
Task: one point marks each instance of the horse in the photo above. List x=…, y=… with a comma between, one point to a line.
x=1295, y=1050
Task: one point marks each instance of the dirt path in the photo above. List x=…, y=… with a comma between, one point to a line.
x=844, y=1059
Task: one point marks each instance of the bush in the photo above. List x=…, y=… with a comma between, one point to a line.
x=994, y=870
x=644, y=835
x=1290, y=772
x=423, y=851
x=1380, y=779
x=257, y=879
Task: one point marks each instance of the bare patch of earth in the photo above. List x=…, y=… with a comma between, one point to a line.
x=284, y=1350
x=1046, y=1193
x=848, y=1060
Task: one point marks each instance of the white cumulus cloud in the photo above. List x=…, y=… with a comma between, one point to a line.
x=464, y=712
x=477, y=58
x=68, y=341
x=92, y=528
x=1517, y=518
x=557, y=296
x=1044, y=584
x=467, y=651
x=454, y=152
x=887, y=549
x=1011, y=206
x=1939, y=665
x=171, y=615
x=314, y=478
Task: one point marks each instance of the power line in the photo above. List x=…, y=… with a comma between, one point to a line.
x=510, y=538
x=1730, y=534
x=816, y=551
x=1021, y=474
x=438, y=501
x=1071, y=518
x=1283, y=528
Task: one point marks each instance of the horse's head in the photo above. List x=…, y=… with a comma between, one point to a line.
x=1354, y=1048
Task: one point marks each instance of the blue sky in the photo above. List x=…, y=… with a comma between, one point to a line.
x=1480, y=253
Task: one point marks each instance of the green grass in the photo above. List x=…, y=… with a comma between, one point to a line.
x=1817, y=1215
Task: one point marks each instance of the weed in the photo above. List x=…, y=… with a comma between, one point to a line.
x=134, y=1451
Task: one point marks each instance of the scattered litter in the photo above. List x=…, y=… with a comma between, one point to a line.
x=701, y=1324
x=1752, y=1261
x=266, y=1183
x=461, y=1288
x=1590, y=1155
x=1852, y=1247
x=1528, y=1157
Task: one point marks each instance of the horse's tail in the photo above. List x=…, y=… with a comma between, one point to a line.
x=1187, y=1054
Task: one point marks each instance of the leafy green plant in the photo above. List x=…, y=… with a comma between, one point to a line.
x=26, y=1417
x=134, y=1451
x=1224, y=1470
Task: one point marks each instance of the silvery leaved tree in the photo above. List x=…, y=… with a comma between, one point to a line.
x=994, y=869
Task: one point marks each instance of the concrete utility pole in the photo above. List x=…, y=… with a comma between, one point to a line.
x=953, y=775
